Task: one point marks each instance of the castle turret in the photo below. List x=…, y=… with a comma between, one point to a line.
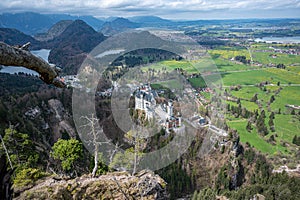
x=170, y=109
x=179, y=119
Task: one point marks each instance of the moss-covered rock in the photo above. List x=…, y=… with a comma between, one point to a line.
x=117, y=185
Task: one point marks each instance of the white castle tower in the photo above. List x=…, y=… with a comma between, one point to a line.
x=179, y=119
x=170, y=109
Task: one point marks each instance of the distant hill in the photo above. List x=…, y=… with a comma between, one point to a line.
x=92, y=21
x=15, y=37
x=32, y=23
x=54, y=31
x=118, y=25
x=70, y=48
x=29, y=23
x=150, y=20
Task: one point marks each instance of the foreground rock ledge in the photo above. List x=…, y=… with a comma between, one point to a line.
x=116, y=185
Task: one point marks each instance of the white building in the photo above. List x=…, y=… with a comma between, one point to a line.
x=145, y=100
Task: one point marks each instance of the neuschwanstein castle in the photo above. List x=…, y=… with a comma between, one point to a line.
x=145, y=100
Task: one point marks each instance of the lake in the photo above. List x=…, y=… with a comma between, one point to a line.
x=43, y=53
x=283, y=40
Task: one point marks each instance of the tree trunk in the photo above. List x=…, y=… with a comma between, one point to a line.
x=13, y=56
x=95, y=161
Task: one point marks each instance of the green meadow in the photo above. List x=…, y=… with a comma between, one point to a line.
x=253, y=138
x=288, y=95
x=272, y=75
x=233, y=74
x=266, y=58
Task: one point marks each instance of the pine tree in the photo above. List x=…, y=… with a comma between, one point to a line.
x=260, y=123
x=248, y=127
x=272, y=99
x=296, y=140
x=293, y=112
x=272, y=115
x=254, y=98
x=68, y=152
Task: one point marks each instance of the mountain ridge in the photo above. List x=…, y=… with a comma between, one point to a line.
x=69, y=49
x=32, y=23
x=118, y=25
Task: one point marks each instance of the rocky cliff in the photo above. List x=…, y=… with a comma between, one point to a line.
x=117, y=185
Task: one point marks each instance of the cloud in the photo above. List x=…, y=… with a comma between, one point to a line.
x=148, y=7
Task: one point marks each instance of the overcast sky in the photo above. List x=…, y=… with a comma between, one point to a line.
x=190, y=9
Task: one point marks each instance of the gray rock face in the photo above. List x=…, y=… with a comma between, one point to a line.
x=117, y=185
x=60, y=121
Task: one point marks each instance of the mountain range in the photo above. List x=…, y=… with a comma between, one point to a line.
x=70, y=38
x=33, y=23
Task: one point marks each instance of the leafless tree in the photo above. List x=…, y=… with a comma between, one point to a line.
x=95, y=140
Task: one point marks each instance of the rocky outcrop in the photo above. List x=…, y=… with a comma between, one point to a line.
x=59, y=120
x=116, y=185
x=258, y=197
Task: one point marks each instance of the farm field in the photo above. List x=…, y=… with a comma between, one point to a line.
x=252, y=138
x=294, y=69
x=224, y=65
x=260, y=53
x=265, y=58
x=283, y=86
x=204, y=65
x=288, y=95
x=272, y=75
x=229, y=53
x=171, y=65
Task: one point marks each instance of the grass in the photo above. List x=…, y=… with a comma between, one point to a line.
x=227, y=65
x=246, y=92
x=206, y=95
x=230, y=53
x=197, y=82
x=171, y=84
x=288, y=95
x=294, y=69
x=205, y=64
x=171, y=65
x=253, y=138
x=251, y=106
x=273, y=75
x=225, y=54
x=265, y=58
x=260, y=142
x=287, y=126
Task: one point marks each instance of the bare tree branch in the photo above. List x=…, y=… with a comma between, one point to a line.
x=95, y=134
x=13, y=56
